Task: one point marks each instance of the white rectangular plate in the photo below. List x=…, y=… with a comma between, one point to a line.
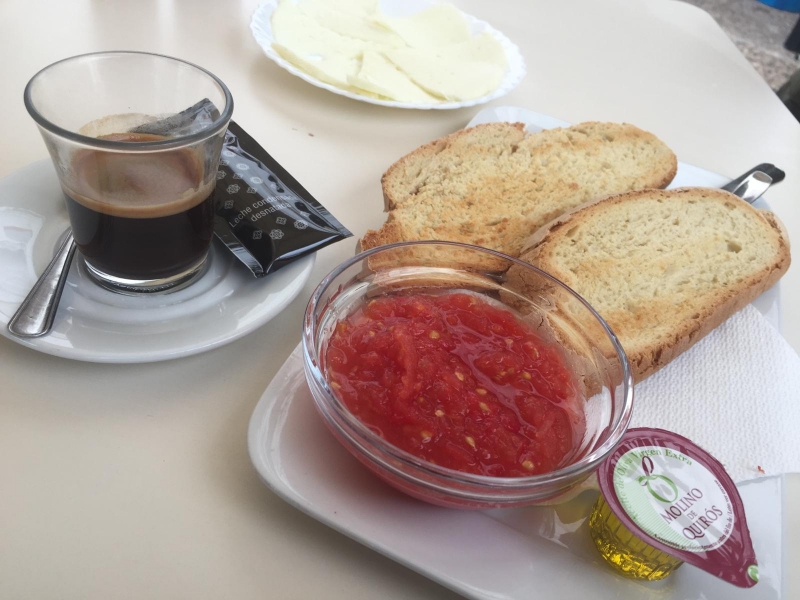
x=503, y=554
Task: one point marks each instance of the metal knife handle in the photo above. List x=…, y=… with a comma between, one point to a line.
x=774, y=172
x=35, y=315
x=753, y=186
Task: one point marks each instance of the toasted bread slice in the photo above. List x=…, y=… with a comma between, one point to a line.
x=663, y=268
x=492, y=185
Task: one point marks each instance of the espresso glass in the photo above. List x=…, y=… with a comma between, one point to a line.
x=137, y=168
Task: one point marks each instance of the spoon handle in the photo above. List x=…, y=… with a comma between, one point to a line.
x=774, y=172
x=753, y=186
x=35, y=315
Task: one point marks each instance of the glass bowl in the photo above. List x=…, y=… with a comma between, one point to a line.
x=557, y=313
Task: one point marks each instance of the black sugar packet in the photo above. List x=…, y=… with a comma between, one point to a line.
x=262, y=213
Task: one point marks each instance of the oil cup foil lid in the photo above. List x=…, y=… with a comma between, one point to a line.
x=678, y=498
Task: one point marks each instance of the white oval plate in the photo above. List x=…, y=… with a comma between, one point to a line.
x=94, y=324
x=261, y=26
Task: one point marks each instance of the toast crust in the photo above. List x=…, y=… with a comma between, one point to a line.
x=646, y=360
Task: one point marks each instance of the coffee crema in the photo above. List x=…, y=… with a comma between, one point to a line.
x=140, y=215
x=137, y=185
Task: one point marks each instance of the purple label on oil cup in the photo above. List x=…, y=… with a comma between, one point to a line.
x=678, y=498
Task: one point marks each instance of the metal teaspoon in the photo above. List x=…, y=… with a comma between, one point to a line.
x=34, y=317
x=753, y=186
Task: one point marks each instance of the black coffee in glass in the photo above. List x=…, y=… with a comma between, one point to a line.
x=140, y=216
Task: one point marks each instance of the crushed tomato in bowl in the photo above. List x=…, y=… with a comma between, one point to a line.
x=458, y=382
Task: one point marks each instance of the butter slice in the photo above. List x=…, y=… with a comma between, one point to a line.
x=362, y=8
x=444, y=75
x=334, y=69
x=352, y=25
x=424, y=58
x=379, y=76
x=295, y=31
x=480, y=48
x=440, y=25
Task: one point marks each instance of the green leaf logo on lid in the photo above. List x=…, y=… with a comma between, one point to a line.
x=661, y=487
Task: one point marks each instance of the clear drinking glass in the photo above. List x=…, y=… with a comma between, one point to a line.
x=139, y=188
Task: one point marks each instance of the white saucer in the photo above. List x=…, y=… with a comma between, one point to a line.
x=97, y=325
x=261, y=27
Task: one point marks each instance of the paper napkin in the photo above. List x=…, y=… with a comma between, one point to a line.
x=736, y=394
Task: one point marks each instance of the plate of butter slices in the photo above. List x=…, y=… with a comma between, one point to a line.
x=401, y=53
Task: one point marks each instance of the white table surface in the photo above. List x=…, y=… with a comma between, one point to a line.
x=133, y=481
